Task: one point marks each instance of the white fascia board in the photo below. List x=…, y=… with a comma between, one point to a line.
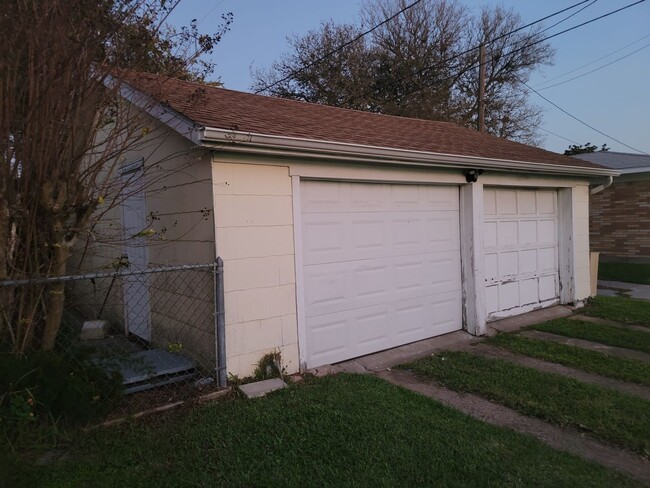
x=629, y=171
x=252, y=143
x=172, y=119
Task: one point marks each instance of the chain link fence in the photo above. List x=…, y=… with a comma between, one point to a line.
x=157, y=330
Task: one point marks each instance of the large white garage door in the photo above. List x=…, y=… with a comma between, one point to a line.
x=521, y=250
x=381, y=266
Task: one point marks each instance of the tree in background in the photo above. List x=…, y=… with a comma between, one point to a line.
x=420, y=65
x=63, y=128
x=582, y=149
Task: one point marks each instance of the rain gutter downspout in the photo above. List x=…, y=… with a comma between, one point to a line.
x=599, y=188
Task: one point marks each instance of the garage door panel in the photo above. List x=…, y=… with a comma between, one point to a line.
x=322, y=239
x=355, y=236
x=413, y=318
x=507, y=234
x=528, y=291
x=367, y=235
x=332, y=197
x=363, y=331
x=335, y=287
x=491, y=267
x=547, y=260
x=546, y=202
x=442, y=272
x=547, y=231
x=548, y=288
x=327, y=336
x=492, y=298
x=521, y=249
x=528, y=261
x=508, y=264
x=508, y=295
x=489, y=202
x=527, y=232
x=391, y=273
x=526, y=203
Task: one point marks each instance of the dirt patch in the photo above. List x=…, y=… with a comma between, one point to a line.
x=159, y=397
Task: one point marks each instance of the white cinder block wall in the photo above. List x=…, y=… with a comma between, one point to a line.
x=254, y=237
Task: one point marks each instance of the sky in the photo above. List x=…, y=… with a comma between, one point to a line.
x=615, y=99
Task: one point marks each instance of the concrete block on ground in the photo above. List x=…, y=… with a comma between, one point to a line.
x=261, y=388
x=321, y=371
x=351, y=366
x=94, y=329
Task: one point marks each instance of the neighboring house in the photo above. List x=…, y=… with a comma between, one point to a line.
x=344, y=233
x=620, y=215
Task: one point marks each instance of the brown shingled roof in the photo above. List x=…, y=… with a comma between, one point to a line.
x=215, y=107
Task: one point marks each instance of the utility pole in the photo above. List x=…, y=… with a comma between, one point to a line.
x=481, y=89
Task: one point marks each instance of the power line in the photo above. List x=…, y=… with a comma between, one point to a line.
x=546, y=82
x=342, y=46
x=582, y=121
x=210, y=12
x=474, y=48
x=597, y=69
x=558, y=135
x=526, y=46
x=567, y=17
x=530, y=24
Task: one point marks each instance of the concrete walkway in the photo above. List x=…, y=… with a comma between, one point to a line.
x=562, y=439
x=619, y=288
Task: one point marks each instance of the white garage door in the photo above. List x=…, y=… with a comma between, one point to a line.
x=381, y=266
x=521, y=250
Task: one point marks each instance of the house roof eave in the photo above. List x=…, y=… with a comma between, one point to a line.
x=246, y=142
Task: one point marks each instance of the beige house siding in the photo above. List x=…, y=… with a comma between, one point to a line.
x=254, y=229
x=178, y=199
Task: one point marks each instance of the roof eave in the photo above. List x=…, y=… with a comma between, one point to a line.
x=165, y=114
x=628, y=171
x=247, y=142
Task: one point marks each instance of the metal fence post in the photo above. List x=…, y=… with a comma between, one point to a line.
x=220, y=324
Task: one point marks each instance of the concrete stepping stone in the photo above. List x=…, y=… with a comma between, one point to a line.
x=593, y=346
x=598, y=320
x=262, y=388
x=550, y=367
x=562, y=439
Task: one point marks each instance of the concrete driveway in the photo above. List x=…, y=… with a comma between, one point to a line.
x=619, y=288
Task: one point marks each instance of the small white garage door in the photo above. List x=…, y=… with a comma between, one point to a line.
x=521, y=250
x=381, y=266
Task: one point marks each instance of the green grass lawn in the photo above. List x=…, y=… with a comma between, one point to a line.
x=604, y=334
x=619, y=309
x=576, y=357
x=345, y=430
x=608, y=415
x=627, y=272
